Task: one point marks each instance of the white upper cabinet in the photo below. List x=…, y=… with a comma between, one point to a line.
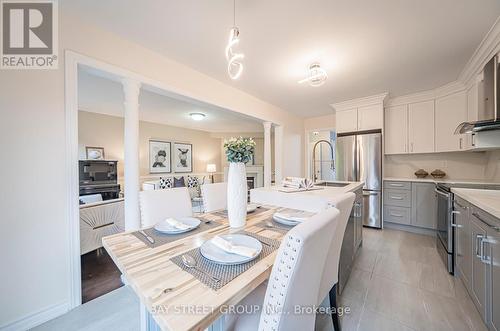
x=370, y=117
x=421, y=127
x=347, y=120
x=450, y=111
x=396, y=130
x=360, y=114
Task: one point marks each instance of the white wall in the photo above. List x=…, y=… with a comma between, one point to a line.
x=34, y=237
x=107, y=131
x=320, y=122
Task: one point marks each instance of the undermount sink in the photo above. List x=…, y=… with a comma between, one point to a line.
x=332, y=184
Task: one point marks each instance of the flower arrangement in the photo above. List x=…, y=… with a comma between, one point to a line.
x=239, y=149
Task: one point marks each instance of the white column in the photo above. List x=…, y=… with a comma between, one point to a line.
x=131, y=89
x=267, y=154
x=278, y=154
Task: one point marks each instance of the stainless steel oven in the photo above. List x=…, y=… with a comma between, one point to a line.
x=445, y=242
x=444, y=229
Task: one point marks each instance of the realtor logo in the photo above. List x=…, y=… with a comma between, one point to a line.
x=29, y=35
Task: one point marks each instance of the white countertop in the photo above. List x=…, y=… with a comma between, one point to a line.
x=487, y=200
x=440, y=180
x=353, y=186
x=312, y=200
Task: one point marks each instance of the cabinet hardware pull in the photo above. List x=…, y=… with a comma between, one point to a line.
x=396, y=198
x=478, y=252
x=396, y=215
x=396, y=185
x=484, y=258
x=460, y=144
x=458, y=226
x=455, y=212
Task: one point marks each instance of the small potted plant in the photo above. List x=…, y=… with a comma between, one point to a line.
x=239, y=151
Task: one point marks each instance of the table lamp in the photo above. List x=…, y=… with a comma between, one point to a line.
x=211, y=169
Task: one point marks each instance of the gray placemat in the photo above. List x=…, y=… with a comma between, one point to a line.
x=226, y=273
x=259, y=210
x=163, y=238
x=282, y=228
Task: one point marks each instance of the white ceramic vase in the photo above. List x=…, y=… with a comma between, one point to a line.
x=237, y=194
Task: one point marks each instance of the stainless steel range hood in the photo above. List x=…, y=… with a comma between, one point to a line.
x=489, y=103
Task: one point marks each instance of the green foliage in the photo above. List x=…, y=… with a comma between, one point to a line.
x=239, y=149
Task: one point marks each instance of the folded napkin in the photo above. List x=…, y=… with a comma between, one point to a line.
x=297, y=182
x=176, y=224
x=234, y=249
x=298, y=217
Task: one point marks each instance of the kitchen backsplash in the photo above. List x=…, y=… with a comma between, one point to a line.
x=457, y=165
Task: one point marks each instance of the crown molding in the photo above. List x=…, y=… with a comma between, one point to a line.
x=489, y=46
x=433, y=94
x=360, y=102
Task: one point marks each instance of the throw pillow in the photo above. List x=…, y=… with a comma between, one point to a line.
x=179, y=182
x=192, y=181
x=166, y=183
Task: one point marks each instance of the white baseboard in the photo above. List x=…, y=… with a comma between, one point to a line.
x=34, y=319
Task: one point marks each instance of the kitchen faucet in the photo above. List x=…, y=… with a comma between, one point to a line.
x=332, y=166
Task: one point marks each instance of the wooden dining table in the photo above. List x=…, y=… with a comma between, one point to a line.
x=173, y=299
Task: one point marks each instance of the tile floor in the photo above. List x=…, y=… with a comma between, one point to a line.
x=399, y=283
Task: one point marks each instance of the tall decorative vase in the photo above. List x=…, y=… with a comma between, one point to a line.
x=237, y=194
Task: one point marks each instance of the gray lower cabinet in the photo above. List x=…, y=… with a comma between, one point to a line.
x=410, y=203
x=463, y=239
x=423, y=206
x=478, y=286
x=477, y=253
x=493, y=251
x=353, y=237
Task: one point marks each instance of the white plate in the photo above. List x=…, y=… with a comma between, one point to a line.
x=292, y=218
x=251, y=207
x=164, y=227
x=217, y=255
x=284, y=221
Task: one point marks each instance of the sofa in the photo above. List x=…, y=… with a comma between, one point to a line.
x=192, y=182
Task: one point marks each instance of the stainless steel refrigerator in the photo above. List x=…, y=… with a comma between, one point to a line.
x=359, y=158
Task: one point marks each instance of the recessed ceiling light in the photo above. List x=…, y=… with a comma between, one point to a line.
x=197, y=116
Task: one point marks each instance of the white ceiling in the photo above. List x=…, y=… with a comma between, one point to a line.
x=101, y=95
x=366, y=46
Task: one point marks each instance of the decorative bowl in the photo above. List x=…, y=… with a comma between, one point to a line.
x=438, y=173
x=421, y=173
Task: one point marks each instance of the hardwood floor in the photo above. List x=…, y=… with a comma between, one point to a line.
x=99, y=275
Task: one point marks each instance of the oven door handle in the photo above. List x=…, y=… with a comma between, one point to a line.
x=442, y=193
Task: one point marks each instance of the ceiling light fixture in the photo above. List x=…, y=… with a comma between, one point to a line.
x=317, y=75
x=197, y=116
x=234, y=64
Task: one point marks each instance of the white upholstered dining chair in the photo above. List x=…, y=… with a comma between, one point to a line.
x=294, y=281
x=157, y=205
x=214, y=196
x=328, y=285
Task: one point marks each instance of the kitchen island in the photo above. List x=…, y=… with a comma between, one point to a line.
x=314, y=200
x=322, y=195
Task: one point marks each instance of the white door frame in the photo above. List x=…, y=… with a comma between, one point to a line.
x=72, y=61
